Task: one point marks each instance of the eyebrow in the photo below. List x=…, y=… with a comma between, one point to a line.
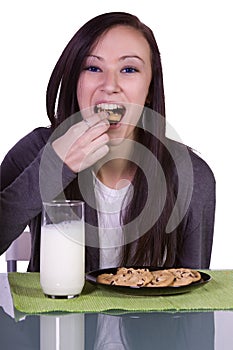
x=132, y=56
x=121, y=58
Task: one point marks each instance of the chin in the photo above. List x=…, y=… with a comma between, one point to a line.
x=116, y=141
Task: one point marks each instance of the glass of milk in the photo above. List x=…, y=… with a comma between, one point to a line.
x=62, y=250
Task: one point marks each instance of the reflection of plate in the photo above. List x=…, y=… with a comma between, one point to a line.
x=92, y=276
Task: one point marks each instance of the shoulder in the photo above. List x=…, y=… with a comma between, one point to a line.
x=194, y=176
x=38, y=136
x=201, y=169
x=28, y=147
x=22, y=154
x=34, y=140
x=186, y=158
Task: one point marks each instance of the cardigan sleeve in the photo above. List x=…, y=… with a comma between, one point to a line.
x=22, y=181
x=197, y=228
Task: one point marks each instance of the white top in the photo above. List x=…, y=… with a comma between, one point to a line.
x=109, y=203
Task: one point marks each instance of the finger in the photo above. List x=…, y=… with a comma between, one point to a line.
x=95, y=132
x=77, y=131
x=94, y=119
x=92, y=158
x=97, y=143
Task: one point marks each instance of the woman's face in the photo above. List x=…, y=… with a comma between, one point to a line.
x=116, y=78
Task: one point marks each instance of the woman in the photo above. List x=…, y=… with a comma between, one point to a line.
x=149, y=200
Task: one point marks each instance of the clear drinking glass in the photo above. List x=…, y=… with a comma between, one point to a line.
x=62, y=251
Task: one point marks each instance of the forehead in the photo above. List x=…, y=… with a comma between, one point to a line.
x=122, y=39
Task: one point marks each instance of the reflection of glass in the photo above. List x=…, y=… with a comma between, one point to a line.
x=64, y=332
x=62, y=270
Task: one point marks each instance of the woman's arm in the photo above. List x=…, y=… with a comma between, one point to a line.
x=21, y=181
x=197, y=228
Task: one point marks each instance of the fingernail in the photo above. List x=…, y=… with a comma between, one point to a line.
x=103, y=115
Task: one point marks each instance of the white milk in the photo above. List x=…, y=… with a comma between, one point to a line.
x=62, y=270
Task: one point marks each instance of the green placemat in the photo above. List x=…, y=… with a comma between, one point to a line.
x=29, y=298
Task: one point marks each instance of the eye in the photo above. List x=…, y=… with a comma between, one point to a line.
x=130, y=70
x=92, y=69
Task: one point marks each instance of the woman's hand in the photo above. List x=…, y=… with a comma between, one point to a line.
x=84, y=143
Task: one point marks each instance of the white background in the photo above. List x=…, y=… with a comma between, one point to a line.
x=195, y=41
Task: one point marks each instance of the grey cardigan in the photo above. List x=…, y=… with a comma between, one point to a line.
x=21, y=201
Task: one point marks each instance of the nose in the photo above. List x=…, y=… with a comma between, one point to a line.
x=110, y=83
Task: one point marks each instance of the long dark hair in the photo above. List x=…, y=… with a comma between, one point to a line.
x=155, y=246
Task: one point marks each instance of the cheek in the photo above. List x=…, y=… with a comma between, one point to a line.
x=139, y=92
x=145, y=90
x=85, y=91
x=134, y=113
x=83, y=100
x=79, y=93
x=82, y=92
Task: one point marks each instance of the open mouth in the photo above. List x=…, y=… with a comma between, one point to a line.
x=115, y=111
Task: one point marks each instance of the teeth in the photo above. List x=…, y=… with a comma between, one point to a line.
x=108, y=106
x=115, y=111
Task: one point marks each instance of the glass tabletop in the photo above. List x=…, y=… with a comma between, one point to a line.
x=112, y=331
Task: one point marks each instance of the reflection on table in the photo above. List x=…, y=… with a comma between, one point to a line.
x=164, y=331
x=64, y=332
x=181, y=331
